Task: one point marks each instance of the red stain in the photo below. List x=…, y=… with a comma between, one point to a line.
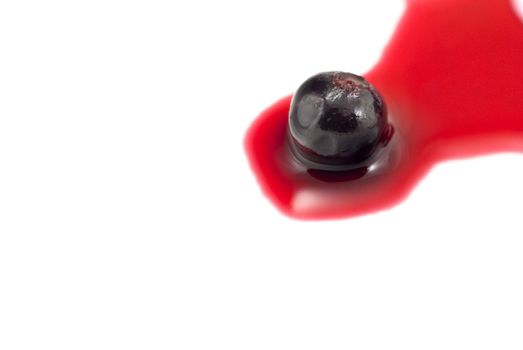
x=452, y=78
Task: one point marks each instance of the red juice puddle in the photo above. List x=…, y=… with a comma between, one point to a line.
x=452, y=78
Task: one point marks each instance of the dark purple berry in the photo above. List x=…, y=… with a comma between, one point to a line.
x=337, y=121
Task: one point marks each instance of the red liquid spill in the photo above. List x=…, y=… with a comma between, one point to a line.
x=452, y=78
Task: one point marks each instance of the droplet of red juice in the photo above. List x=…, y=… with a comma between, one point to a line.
x=452, y=77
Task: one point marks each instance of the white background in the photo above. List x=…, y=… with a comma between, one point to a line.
x=129, y=218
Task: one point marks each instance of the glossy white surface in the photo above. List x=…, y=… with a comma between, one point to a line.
x=129, y=218
x=518, y=5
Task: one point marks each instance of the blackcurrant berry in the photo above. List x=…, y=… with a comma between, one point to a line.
x=337, y=121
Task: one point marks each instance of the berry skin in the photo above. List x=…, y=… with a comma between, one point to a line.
x=337, y=121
